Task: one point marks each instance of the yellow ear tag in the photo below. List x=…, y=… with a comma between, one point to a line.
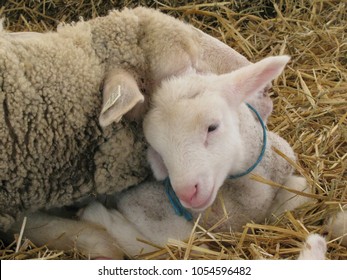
x=112, y=100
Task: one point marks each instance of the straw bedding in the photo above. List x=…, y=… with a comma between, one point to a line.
x=310, y=109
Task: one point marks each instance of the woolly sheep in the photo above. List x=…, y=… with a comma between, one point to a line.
x=57, y=144
x=178, y=127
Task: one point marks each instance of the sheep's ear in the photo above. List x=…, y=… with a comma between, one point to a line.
x=120, y=95
x=157, y=164
x=249, y=80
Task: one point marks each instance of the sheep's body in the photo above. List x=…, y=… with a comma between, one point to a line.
x=53, y=151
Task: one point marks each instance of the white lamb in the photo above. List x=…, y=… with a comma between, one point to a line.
x=201, y=132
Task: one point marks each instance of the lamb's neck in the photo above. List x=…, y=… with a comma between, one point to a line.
x=252, y=137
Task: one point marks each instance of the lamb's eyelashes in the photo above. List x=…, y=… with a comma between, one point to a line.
x=212, y=127
x=211, y=132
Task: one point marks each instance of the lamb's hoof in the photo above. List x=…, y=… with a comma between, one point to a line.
x=315, y=248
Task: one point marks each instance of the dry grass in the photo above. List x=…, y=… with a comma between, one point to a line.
x=310, y=109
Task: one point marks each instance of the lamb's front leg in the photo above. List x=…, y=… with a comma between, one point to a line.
x=123, y=231
x=65, y=234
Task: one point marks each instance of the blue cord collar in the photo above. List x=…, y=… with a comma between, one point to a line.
x=175, y=202
x=262, y=152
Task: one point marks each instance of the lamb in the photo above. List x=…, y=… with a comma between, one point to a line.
x=63, y=95
x=200, y=132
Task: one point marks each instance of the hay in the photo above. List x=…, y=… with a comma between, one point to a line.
x=310, y=101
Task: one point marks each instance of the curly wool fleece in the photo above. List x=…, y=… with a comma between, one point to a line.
x=52, y=149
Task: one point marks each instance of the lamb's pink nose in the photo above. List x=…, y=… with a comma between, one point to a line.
x=186, y=194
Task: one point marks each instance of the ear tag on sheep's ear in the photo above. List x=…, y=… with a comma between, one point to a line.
x=112, y=100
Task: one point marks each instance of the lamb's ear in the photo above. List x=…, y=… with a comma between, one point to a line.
x=120, y=95
x=157, y=165
x=261, y=101
x=246, y=81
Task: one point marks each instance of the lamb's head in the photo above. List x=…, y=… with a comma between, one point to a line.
x=193, y=128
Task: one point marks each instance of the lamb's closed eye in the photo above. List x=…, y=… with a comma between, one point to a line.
x=212, y=127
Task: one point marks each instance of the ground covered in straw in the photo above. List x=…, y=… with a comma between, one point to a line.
x=310, y=101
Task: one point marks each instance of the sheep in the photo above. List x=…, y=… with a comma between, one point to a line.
x=200, y=133
x=63, y=96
